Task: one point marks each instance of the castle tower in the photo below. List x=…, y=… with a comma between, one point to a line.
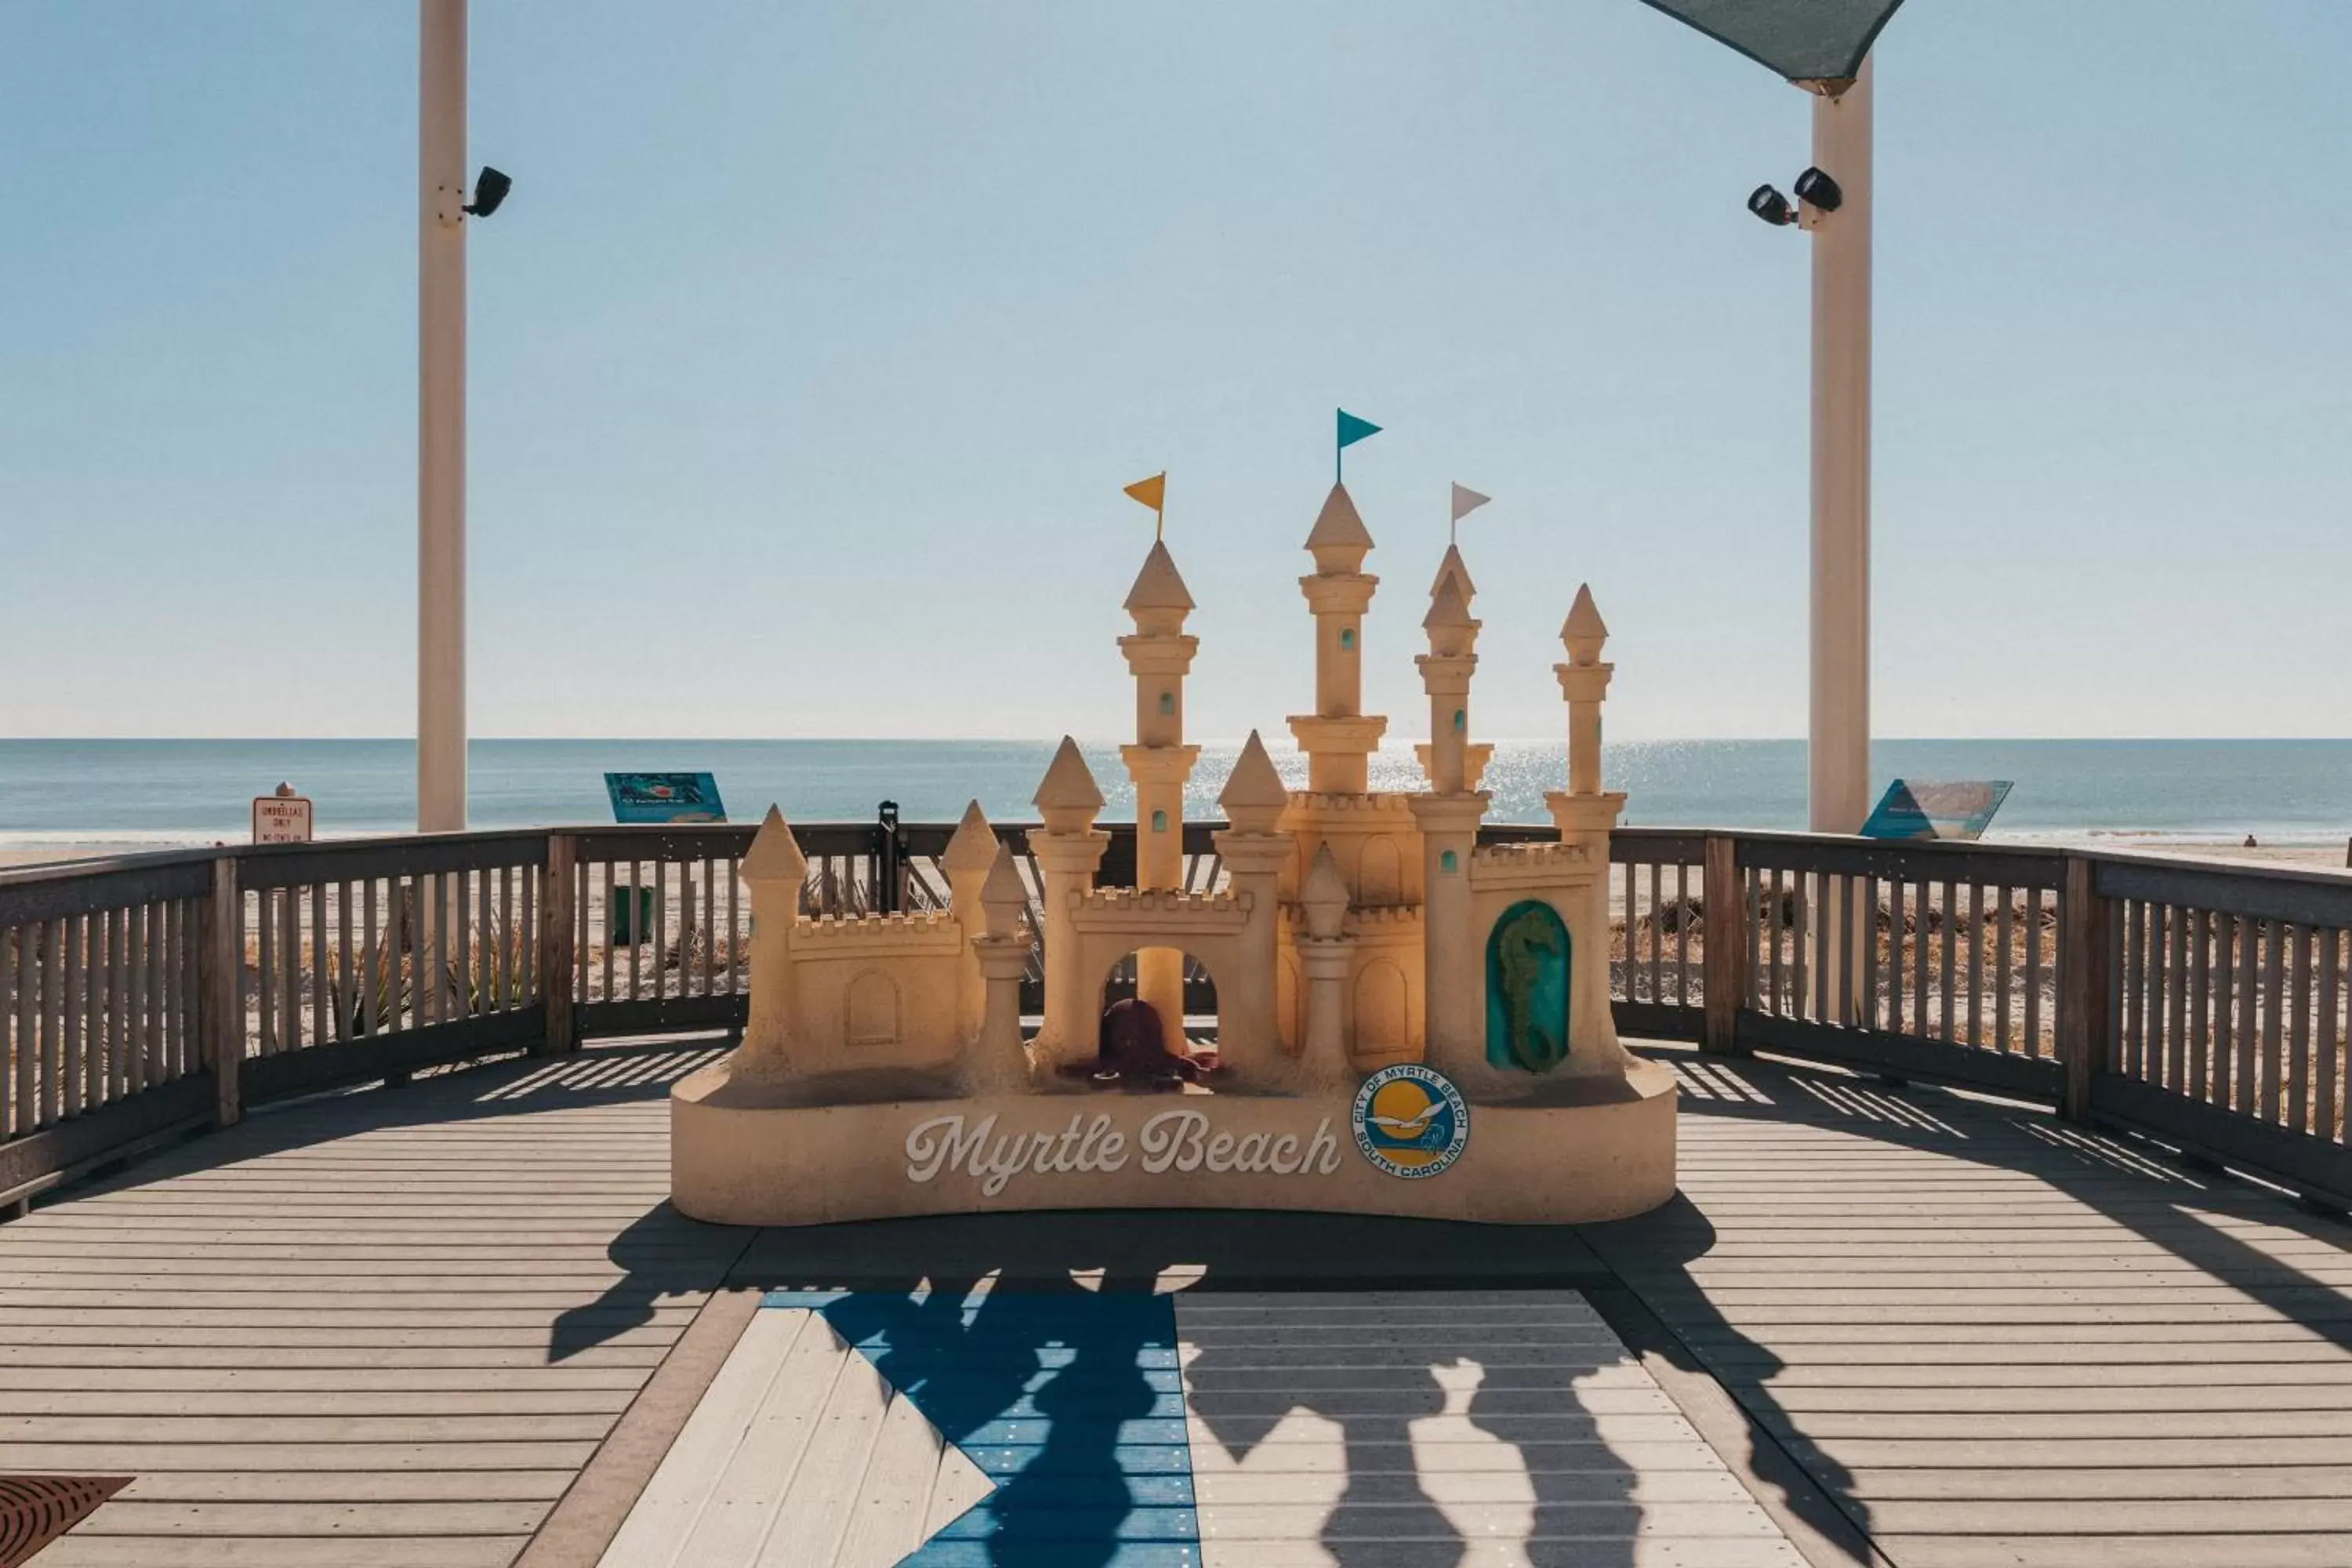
x=1160, y=654
x=1337, y=737
x=1068, y=849
x=1326, y=953
x=775, y=869
x=1583, y=813
x=970, y=855
x=1001, y=951
x=1476, y=755
x=1453, y=964
x=1254, y=850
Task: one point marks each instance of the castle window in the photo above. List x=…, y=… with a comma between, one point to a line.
x=1347, y=639
x=1461, y=718
x=1447, y=862
x=1159, y=822
x=1168, y=702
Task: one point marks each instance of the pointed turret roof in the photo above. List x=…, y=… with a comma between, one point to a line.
x=1325, y=896
x=1068, y=784
x=775, y=855
x=974, y=848
x=1159, y=586
x=1584, y=631
x=1448, y=610
x=1003, y=885
x=1452, y=567
x=1339, y=540
x=1254, y=783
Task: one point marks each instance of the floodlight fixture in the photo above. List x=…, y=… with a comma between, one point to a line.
x=491, y=188
x=1815, y=188
x=1770, y=205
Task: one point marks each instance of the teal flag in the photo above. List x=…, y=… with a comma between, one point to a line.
x=1351, y=430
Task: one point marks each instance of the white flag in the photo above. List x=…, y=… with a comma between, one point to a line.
x=1468, y=500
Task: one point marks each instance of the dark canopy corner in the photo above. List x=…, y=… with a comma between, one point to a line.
x=1817, y=43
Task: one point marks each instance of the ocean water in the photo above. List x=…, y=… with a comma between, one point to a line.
x=65, y=794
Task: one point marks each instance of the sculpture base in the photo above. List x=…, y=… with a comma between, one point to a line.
x=1575, y=1151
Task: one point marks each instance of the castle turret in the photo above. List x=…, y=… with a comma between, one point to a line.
x=1068, y=849
x=1160, y=762
x=1475, y=754
x=1454, y=1010
x=1584, y=813
x=1252, y=851
x=970, y=855
x=1325, y=951
x=775, y=869
x=1337, y=737
x=1001, y=953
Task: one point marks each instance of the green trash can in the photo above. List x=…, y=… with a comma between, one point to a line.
x=628, y=920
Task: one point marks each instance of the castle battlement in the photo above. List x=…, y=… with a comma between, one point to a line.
x=1162, y=902
x=921, y=931
x=1371, y=920
x=1385, y=804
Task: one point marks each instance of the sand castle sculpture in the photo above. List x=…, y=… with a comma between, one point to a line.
x=1383, y=984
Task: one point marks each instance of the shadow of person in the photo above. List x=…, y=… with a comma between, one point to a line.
x=663, y=1257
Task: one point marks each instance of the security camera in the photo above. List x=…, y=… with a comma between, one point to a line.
x=1815, y=188
x=491, y=188
x=1771, y=206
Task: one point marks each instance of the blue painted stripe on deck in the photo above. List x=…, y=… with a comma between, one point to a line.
x=1070, y=1401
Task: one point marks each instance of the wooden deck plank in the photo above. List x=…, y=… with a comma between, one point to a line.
x=1994, y=1339
x=379, y=1330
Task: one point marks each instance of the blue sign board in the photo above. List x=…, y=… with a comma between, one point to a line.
x=665, y=798
x=1918, y=809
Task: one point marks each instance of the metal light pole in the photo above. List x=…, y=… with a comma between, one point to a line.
x=1838, y=755
x=441, y=418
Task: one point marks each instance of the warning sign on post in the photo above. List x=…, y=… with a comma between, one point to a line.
x=281, y=819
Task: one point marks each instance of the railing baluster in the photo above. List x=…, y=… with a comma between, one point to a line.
x=1976, y=964
x=1776, y=922
x=2128, y=1060
x=1682, y=933
x=2246, y=1036
x=2176, y=996
x=18, y=1118
x=2332, y=1038
x=48, y=1105
x=609, y=930
x=320, y=1033
x=734, y=924
x=2298, y=996
x=2273, y=940
x=1950, y=964
x=2032, y=971
x=2004, y=965
x=1657, y=935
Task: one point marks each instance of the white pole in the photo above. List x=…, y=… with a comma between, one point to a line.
x=441, y=418
x=1838, y=757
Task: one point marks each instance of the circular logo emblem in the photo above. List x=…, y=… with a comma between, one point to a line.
x=1411, y=1120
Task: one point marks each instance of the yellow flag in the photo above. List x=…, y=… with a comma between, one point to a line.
x=1152, y=492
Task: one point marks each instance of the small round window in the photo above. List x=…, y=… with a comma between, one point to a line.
x=1461, y=719
x=1347, y=639
x=1159, y=822
x=1446, y=860
x=1168, y=702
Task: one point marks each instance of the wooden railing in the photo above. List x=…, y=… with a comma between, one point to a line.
x=2219, y=1000
x=373, y=958
x=146, y=996
x=109, y=1015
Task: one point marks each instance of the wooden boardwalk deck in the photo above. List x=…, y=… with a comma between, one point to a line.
x=391, y=1328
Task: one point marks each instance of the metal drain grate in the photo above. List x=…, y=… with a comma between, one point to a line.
x=36, y=1509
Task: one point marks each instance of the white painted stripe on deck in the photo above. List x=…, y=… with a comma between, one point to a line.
x=799, y=1454
x=1463, y=1441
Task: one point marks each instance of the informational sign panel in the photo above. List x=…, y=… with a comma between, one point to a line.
x=1919, y=809
x=281, y=819
x=665, y=798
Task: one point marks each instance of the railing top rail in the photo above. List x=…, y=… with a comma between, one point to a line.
x=2302, y=896
x=85, y=888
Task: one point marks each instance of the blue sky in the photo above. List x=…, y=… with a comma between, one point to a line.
x=813, y=347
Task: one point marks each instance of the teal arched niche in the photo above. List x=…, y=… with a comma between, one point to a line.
x=1527, y=988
